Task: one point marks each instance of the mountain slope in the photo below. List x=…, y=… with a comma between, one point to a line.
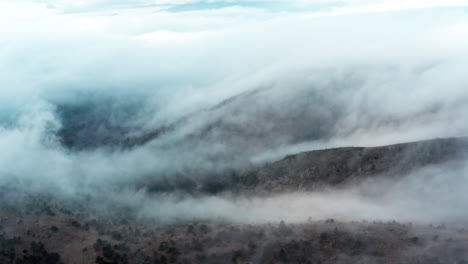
x=310, y=170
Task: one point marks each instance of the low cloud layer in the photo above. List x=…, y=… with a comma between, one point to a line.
x=229, y=87
x=430, y=195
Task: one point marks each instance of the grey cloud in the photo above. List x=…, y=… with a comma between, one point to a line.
x=233, y=92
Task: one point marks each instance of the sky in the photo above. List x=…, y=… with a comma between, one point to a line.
x=281, y=5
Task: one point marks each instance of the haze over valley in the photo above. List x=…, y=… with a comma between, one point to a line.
x=233, y=131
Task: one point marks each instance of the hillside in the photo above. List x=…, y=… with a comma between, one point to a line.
x=312, y=170
x=38, y=228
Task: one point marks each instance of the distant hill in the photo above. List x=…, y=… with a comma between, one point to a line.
x=312, y=170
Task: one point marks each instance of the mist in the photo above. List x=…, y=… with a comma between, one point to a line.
x=230, y=88
x=427, y=196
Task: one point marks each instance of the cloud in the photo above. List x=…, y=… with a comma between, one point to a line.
x=184, y=63
x=236, y=85
x=322, y=7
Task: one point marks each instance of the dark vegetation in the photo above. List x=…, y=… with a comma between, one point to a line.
x=111, y=240
x=11, y=252
x=40, y=228
x=95, y=122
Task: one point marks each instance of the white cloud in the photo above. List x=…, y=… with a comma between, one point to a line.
x=394, y=5
x=335, y=6
x=357, y=74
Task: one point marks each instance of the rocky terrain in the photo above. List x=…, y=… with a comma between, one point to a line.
x=39, y=228
x=313, y=170
x=63, y=237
